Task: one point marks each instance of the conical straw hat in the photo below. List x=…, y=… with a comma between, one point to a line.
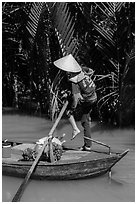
x=68, y=64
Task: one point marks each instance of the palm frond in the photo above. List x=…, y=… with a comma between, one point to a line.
x=34, y=17
x=64, y=27
x=105, y=33
x=129, y=58
x=107, y=11
x=106, y=100
x=108, y=29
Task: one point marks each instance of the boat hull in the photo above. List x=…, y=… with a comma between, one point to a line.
x=73, y=165
x=61, y=172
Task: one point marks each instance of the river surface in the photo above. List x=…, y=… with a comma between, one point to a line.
x=120, y=188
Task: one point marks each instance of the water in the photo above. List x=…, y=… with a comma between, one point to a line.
x=121, y=188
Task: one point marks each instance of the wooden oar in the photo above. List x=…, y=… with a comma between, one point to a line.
x=22, y=187
x=97, y=142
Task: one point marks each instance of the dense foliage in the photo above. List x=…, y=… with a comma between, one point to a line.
x=100, y=36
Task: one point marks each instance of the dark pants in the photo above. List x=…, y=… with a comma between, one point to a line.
x=86, y=109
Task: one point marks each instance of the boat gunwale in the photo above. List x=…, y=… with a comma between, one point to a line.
x=61, y=162
x=83, y=159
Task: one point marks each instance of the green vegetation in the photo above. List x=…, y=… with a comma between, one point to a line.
x=99, y=35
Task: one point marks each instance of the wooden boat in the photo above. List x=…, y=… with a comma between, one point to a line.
x=74, y=164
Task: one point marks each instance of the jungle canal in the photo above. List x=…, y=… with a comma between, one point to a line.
x=121, y=188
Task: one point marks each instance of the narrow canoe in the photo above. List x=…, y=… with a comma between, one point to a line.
x=74, y=164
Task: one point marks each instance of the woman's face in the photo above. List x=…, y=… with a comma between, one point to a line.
x=71, y=74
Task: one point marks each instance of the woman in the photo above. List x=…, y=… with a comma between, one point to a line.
x=83, y=91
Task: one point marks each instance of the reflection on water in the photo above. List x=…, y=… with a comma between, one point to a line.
x=121, y=188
